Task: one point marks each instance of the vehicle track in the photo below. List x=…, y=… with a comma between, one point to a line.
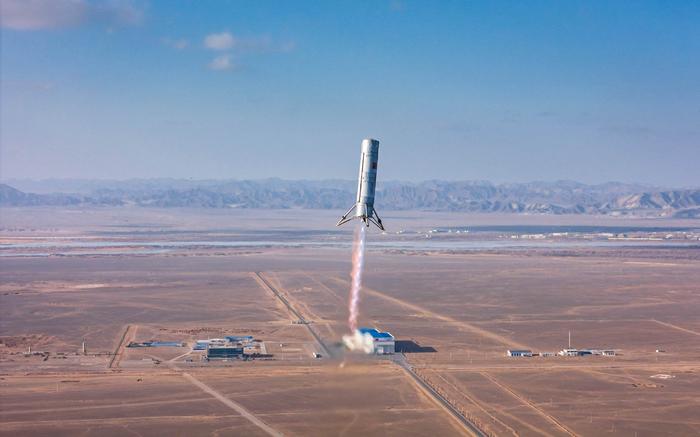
x=679, y=328
x=464, y=325
x=232, y=405
x=522, y=399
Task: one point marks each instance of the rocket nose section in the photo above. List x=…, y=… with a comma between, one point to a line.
x=369, y=144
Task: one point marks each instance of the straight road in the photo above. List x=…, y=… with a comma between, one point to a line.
x=120, y=347
x=266, y=284
x=471, y=428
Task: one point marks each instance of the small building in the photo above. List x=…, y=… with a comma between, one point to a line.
x=224, y=352
x=547, y=354
x=156, y=344
x=201, y=345
x=243, y=339
x=167, y=344
x=608, y=353
x=569, y=352
x=139, y=344
x=383, y=342
x=518, y=353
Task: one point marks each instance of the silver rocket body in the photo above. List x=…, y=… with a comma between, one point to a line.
x=366, y=184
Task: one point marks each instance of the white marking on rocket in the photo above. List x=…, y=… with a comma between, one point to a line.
x=366, y=183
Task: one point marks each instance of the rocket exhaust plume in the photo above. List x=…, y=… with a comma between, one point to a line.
x=357, y=341
x=358, y=261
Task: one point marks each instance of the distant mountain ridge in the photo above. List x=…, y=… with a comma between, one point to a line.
x=561, y=197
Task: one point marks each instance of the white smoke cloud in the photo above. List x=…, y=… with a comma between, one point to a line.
x=359, y=342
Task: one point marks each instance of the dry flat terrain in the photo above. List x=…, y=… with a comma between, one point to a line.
x=110, y=277
x=86, y=404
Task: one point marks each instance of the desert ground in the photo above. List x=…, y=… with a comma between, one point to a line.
x=456, y=302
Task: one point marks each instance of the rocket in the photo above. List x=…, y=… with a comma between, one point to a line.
x=366, y=183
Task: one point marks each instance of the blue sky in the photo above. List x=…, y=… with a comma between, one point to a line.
x=503, y=91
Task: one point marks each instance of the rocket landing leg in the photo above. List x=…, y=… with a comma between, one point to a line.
x=374, y=218
x=378, y=222
x=344, y=219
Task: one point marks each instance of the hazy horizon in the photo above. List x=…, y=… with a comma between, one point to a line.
x=10, y=181
x=505, y=92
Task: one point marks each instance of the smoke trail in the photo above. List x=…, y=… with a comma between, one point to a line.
x=358, y=260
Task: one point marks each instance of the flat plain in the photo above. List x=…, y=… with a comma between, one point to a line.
x=454, y=303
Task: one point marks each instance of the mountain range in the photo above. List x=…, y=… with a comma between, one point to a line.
x=560, y=197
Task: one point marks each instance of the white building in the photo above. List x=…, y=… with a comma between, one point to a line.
x=518, y=353
x=383, y=342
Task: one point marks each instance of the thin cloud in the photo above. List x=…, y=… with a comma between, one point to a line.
x=511, y=116
x=264, y=44
x=288, y=46
x=181, y=44
x=219, y=41
x=32, y=85
x=28, y=15
x=628, y=130
x=228, y=43
x=221, y=63
x=458, y=126
x=397, y=5
x=258, y=44
x=178, y=44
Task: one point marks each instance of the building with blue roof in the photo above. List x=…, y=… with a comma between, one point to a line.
x=383, y=342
